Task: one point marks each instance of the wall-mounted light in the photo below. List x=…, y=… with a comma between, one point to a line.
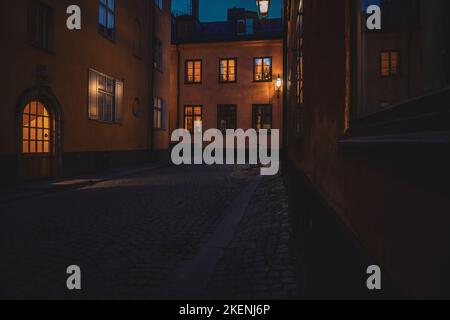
x=263, y=8
x=278, y=85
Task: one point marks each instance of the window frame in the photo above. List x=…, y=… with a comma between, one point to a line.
x=38, y=7
x=107, y=94
x=117, y=101
x=104, y=33
x=50, y=129
x=271, y=69
x=228, y=75
x=186, y=76
x=380, y=67
x=254, y=108
x=193, y=106
x=223, y=106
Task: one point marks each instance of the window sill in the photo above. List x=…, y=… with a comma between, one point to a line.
x=110, y=123
x=110, y=39
x=421, y=121
x=262, y=81
x=35, y=155
x=227, y=82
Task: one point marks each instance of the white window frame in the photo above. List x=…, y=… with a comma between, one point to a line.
x=94, y=92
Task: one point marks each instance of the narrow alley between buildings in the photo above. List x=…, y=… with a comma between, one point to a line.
x=176, y=232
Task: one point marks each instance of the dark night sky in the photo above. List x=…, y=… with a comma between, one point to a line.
x=216, y=10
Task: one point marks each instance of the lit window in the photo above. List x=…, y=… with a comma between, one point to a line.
x=105, y=98
x=193, y=71
x=389, y=63
x=193, y=118
x=228, y=68
x=36, y=129
x=263, y=69
x=106, y=18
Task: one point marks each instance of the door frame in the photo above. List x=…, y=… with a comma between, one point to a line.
x=45, y=95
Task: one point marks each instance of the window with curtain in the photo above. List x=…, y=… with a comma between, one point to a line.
x=228, y=70
x=389, y=63
x=193, y=71
x=193, y=118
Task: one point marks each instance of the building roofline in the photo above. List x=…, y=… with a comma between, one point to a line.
x=243, y=39
x=248, y=42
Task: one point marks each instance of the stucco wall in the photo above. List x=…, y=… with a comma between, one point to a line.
x=394, y=200
x=162, y=77
x=74, y=53
x=244, y=93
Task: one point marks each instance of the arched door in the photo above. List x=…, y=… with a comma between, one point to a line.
x=37, y=141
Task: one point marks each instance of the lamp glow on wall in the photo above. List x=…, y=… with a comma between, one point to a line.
x=263, y=8
x=278, y=85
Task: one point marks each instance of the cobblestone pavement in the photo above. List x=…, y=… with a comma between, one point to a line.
x=131, y=235
x=258, y=263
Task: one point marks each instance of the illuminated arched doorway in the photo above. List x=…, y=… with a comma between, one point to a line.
x=37, y=129
x=38, y=133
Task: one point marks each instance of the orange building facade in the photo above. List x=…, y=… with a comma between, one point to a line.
x=162, y=73
x=231, y=104
x=225, y=73
x=74, y=100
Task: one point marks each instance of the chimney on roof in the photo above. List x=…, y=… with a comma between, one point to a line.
x=195, y=9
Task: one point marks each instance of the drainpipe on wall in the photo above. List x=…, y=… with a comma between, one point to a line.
x=178, y=86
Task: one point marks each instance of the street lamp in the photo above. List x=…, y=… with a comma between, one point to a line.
x=278, y=85
x=263, y=7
